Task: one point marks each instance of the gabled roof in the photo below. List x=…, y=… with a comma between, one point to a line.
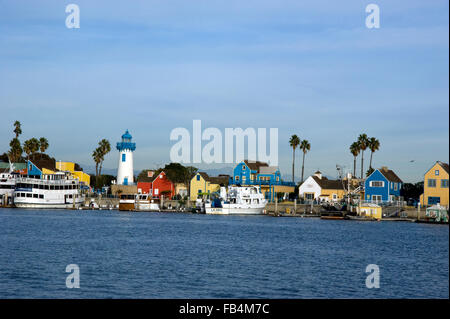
x=221, y=179
x=44, y=163
x=268, y=169
x=390, y=175
x=444, y=166
x=326, y=183
x=145, y=178
x=255, y=166
x=156, y=176
x=204, y=175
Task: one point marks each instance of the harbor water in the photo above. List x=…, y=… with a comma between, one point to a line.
x=178, y=255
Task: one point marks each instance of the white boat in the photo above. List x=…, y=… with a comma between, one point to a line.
x=239, y=200
x=7, y=186
x=57, y=190
x=138, y=202
x=145, y=203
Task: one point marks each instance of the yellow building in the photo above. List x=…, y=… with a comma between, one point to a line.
x=65, y=166
x=435, y=185
x=202, y=183
x=47, y=171
x=370, y=210
x=70, y=167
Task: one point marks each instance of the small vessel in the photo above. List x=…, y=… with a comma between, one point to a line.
x=7, y=186
x=138, y=202
x=59, y=190
x=238, y=200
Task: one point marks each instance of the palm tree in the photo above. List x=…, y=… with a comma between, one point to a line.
x=374, y=145
x=104, y=148
x=363, y=141
x=28, y=148
x=354, y=149
x=305, y=147
x=294, y=142
x=35, y=145
x=43, y=144
x=16, y=150
x=96, y=155
x=17, y=129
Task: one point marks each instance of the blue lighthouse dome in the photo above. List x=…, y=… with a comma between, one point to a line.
x=126, y=143
x=127, y=135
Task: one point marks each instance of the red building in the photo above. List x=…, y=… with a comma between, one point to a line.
x=144, y=187
x=162, y=185
x=144, y=183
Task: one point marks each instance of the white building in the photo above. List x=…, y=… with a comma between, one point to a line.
x=318, y=187
x=125, y=170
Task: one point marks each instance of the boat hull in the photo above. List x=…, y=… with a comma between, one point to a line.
x=147, y=207
x=126, y=206
x=234, y=211
x=47, y=205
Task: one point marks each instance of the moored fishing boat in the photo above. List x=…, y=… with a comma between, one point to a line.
x=239, y=200
x=138, y=202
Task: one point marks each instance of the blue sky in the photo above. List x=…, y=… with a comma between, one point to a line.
x=309, y=68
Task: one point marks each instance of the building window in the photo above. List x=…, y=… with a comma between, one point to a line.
x=444, y=183
x=237, y=178
x=199, y=191
x=123, y=157
x=376, y=198
x=395, y=186
x=198, y=177
x=431, y=183
x=376, y=184
x=243, y=167
x=436, y=172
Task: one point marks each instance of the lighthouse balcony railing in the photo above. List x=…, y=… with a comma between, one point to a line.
x=126, y=145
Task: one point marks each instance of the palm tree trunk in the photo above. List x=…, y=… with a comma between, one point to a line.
x=354, y=166
x=362, y=164
x=100, y=170
x=371, y=153
x=303, y=165
x=293, y=161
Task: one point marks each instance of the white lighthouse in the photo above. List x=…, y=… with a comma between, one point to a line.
x=126, y=149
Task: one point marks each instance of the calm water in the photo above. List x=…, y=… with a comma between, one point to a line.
x=154, y=255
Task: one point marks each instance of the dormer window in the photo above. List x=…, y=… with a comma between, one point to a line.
x=436, y=172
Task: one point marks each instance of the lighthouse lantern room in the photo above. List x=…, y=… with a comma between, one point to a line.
x=125, y=170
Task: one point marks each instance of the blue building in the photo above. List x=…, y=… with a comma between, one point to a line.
x=263, y=175
x=383, y=185
x=33, y=170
